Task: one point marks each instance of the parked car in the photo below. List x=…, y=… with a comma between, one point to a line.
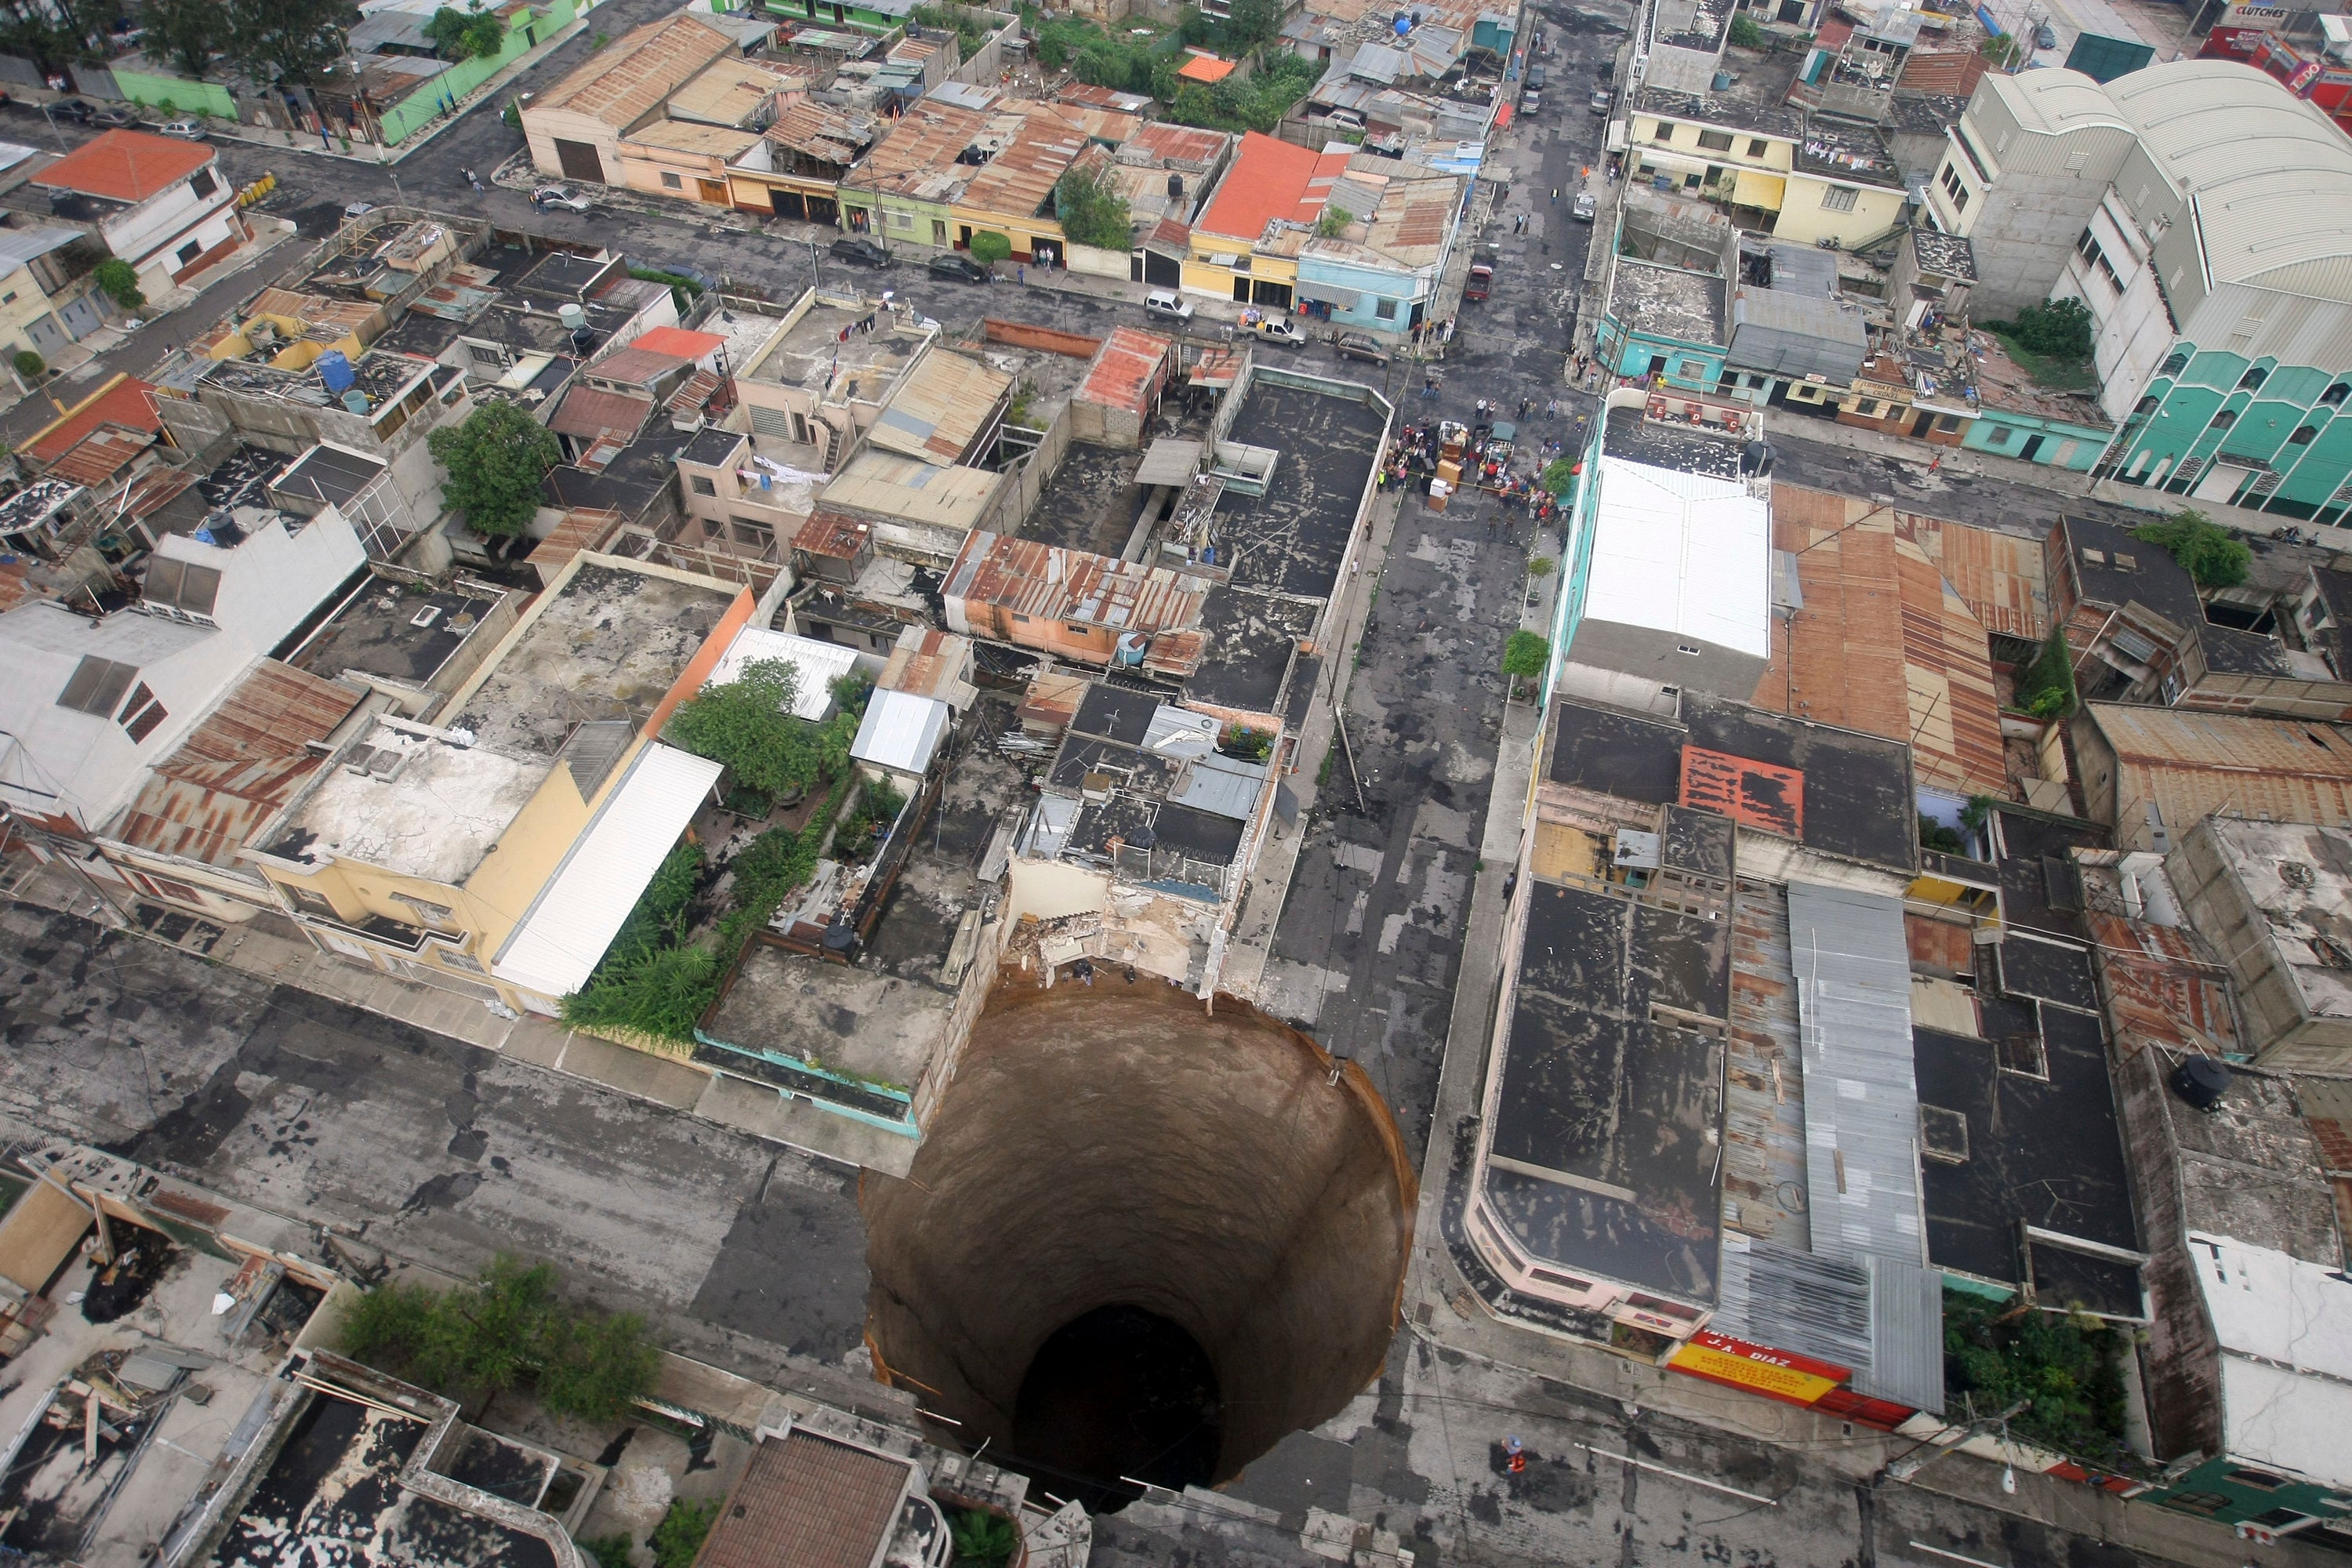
x=1359, y=346
x=1167, y=305
x=1608, y=68
x=1601, y=98
x=1482, y=275
x=72, y=108
x=1536, y=78
x=568, y=197
x=112, y=118
x=1530, y=100
x=859, y=252
x=1279, y=330
x=2045, y=37
x=185, y=130
x=1586, y=208
x=958, y=269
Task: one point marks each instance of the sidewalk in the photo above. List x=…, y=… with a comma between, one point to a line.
x=285, y=958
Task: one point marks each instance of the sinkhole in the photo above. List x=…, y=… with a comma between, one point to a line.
x=1139, y=1241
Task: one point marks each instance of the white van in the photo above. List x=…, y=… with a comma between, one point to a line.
x=1165, y=305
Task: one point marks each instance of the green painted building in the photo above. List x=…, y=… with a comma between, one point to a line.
x=2218, y=425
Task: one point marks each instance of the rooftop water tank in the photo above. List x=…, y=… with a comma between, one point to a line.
x=336, y=371
x=1404, y=22
x=355, y=400
x=572, y=316
x=1132, y=647
x=2201, y=1081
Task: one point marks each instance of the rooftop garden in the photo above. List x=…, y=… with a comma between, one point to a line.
x=2066, y=1365
x=1146, y=59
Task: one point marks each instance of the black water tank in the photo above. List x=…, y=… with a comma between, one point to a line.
x=2201, y=1081
x=1175, y=186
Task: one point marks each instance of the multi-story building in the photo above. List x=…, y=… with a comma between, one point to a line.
x=2195, y=209
x=45, y=295
x=161, y=205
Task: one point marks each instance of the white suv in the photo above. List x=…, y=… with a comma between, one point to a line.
x=1164, y=305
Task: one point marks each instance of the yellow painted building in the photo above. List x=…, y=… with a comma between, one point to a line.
x=486, y=854
x=1818, y=178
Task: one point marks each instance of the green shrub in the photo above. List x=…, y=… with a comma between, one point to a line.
x=1934, y=835
x=1995, y=1353
x=505, y=1329
x=2208, y=554
x=608, y=1551
x=1978, y=812
x=683, y=290
x=2046, y=688
x=119, y=281
x=1558, y=476
x=1746, y=34
x=465, y=34
x=988, y=247
x=679, y=1535
x=1257, y=103
x=2056, y=328
x=748, y=723
x=29, y=364
x=982, y=1539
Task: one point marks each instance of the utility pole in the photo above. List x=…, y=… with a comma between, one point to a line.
x=1904, y=1467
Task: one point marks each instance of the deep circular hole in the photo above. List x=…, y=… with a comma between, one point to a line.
x=1127, y=1211
x=1121, y=1393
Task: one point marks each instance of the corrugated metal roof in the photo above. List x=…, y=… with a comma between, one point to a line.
x=583, y=528
x=101, y=454
x=725, y=141
x=2161, y=987
x=1221, y=785
x=237, y=766
x=564, y=935
x=940, y=407
x=1861, y=1103
x=1886, y=646
x=1034, y=579
x=817, y=665
x=1018, y=182
x=928, y=662
x=1998, y=575
x=589, y=412
x=18, y=246
x=630, y=76
x=918, y=158
x=1128, y=371
x=634, y=366
x=730, y=93
x=901, y=731
x=2189, y=764
x=909, y=488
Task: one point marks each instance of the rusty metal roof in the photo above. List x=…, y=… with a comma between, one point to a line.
x=940, y=408
x=583, y=528
x=238, y=766
x=589, y=412
x=918, y=157
x=1018, y=182
x=2190, y=764
x=1998, y=575
x=928, y=662
x=1029, y=578
x=632, y=75
x=2161, y=986
x=1128, y=371
x=634, y=366
x=1883, y=645
x=101, y=454
x=833, y=534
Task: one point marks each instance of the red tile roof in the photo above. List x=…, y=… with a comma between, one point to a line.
x=1206, y=67
x=1270, y=179
x=126, y=401
x=679, y=343
x=125, y=165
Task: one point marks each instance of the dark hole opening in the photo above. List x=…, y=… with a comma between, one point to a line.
x=1119, y=1392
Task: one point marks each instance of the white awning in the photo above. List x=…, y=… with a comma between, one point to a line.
x=564, y=935
x=901, y=731
x=819, y=665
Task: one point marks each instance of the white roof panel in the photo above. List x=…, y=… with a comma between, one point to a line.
x=2286, y=1331
x=819, y=663
x=575, y=917
x=1682, y=553
x=901, y=731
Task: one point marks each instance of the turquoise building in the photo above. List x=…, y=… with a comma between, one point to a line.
x=2267, y=432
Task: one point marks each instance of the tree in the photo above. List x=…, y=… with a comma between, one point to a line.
x=748, y=723
x=30, y=364
x=119, y=281
x=505, y=1329
x=1089, y=207
x=496, y=460
x=2208, y=554
x=1253, y=22
x=2058, y=328
x=1525, y=655
x=989, y=248
x=294, y=42
x=679, y=1535
x=465, y=34
x=1746, y=34
x=184, y=32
